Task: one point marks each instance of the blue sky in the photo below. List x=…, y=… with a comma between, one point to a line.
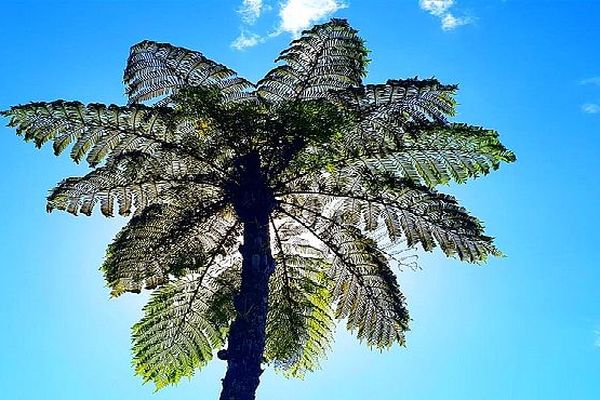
x=522, y=327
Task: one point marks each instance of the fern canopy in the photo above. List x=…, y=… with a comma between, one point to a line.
x=348, y=172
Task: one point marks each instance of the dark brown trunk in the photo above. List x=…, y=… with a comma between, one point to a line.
x=246, y=342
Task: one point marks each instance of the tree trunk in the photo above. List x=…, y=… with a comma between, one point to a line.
x=253, y=202
x=246, y=342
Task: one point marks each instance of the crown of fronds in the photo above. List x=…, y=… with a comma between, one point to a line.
x=351, y=166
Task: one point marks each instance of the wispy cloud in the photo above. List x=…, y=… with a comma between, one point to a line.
x=251, y=10
x=590, y=108
x=441, y=9
x=246, y=39
x=294, y=17
x=591, y=81
x=297, y=15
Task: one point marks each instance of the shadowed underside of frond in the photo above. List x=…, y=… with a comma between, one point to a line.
x=327, y=57
x=169, y=240
x=160, y=70
x=134, y=179
x=401, y=100
x=94, y=129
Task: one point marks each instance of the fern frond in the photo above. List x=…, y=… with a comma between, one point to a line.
x=416, y=213
x=435, y=154
x=134, y=179
x=93, y=129
x=184, y=323
x=167, y=240
x=380, y=108
x=300, y=319
x=326, y=57
x=161, y=70
x=366, y=292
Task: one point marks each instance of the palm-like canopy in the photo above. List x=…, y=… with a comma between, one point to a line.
x=343, y=173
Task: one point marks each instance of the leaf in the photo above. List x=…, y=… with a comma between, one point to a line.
x=365, y=289
x=184, y=323
x=94, y=129
x=168, y=240
x=326, y=57
x=300, y=318
x=435, y=154
x=161, y=70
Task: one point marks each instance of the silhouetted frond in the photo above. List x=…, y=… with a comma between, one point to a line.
x=133, y=179
x=300, y=319
x=160, y=69
x=416, y=213
x=326, y=57
x=382, y=107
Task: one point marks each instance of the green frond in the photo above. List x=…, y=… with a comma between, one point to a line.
x=93, y=129
x=168, y=240
x=300, y=319
x=134, y=180
x=160, y=70
x=326, y=57
x=397, y=102
x=184, y=323
x=365, y=290
x=410, y=212
x=435, y=154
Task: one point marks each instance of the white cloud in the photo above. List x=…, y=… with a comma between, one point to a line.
x=441, y=9
x=251, y=10
x=246, y=39
x=297, y=15
x=436, y=7
x=591, y=108
x=449, y=21
x=591, y=81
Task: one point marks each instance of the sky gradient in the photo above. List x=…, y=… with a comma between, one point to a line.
x=522, y=327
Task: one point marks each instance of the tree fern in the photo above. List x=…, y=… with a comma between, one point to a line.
x=262, y=213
